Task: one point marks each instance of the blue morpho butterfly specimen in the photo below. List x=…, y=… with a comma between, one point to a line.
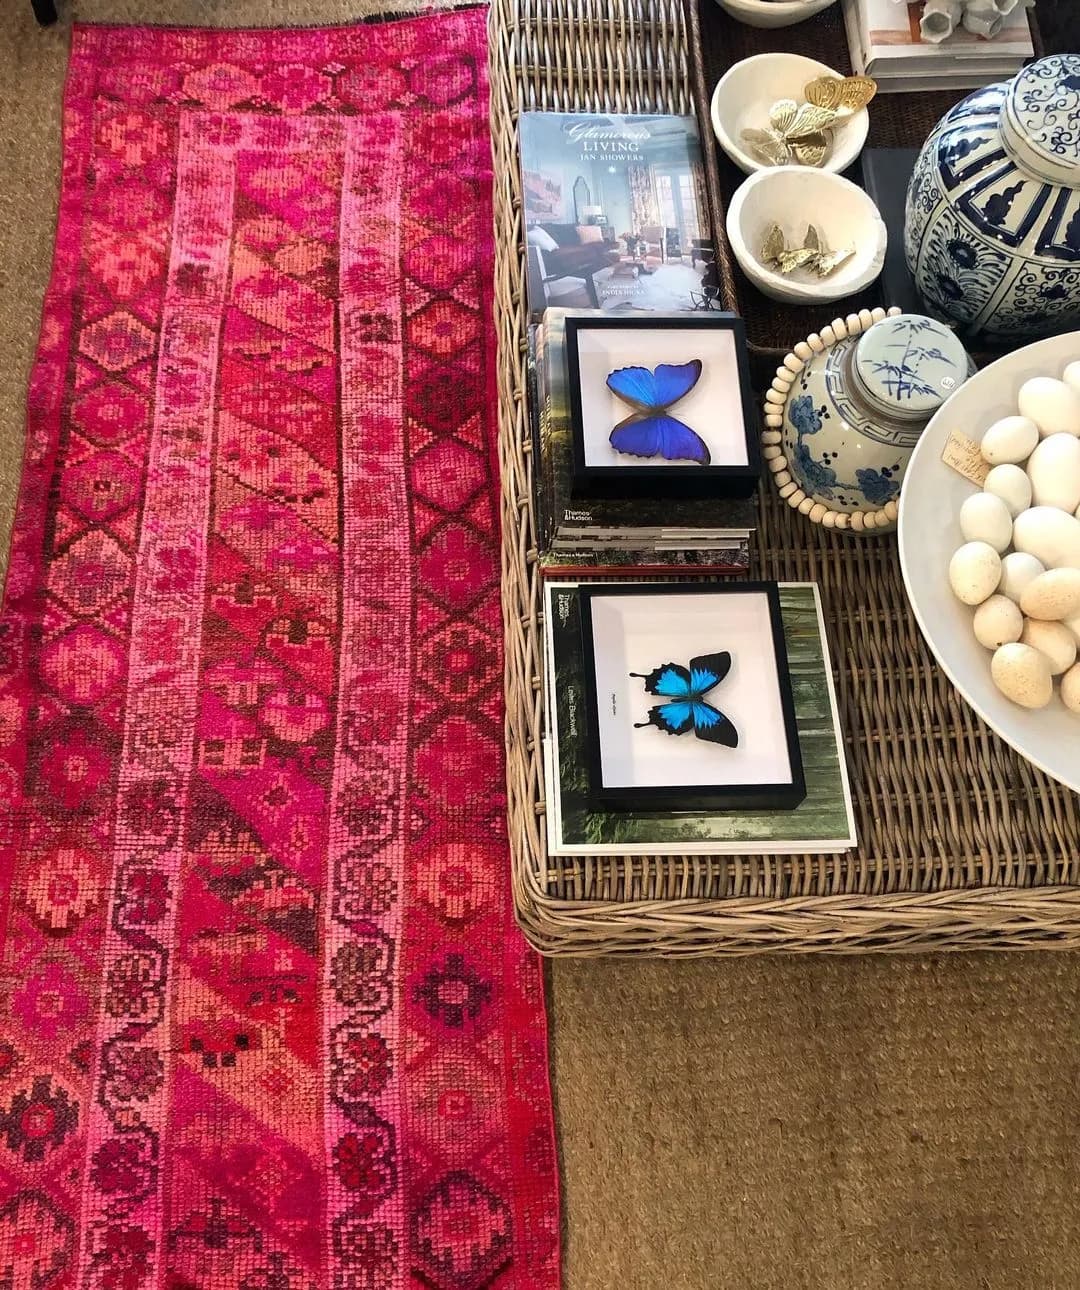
x=686, y=708
x=649, y=431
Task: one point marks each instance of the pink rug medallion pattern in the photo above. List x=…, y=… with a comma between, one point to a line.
x=266, y=1020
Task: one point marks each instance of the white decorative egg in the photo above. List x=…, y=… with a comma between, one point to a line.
x=1051, y=404
x=1010, y=440
x=1070, y=689
x=1019, y=566
x=1053, y=595
x=986, y=518
x=1054, y=471
x=1050, y=535
x=1017, y=570
x=974, y=572
x=1022, y=674
x=1054, y=641
x=1011, y=484
x=998, y=622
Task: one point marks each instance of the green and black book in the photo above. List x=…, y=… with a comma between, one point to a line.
x=822, y=823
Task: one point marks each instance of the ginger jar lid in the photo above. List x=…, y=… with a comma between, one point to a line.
x=1040, y=119
x=908, y=365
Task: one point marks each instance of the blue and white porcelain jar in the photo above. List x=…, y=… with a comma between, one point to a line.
x=855, y=410
x=992, y=225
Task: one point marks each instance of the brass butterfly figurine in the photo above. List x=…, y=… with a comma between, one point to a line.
x=814, y=253
x=801, y=134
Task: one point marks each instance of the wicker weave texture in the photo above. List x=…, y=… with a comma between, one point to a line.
x=962, y=843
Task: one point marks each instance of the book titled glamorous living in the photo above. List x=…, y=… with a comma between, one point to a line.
x=614, y=211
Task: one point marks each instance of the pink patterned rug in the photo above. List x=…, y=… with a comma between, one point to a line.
x=266, y=1020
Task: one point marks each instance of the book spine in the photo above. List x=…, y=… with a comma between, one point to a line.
x=534, y=407
x=615, y=557
x=632, y=571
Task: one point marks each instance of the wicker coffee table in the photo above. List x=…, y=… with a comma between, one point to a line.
x=963, y=845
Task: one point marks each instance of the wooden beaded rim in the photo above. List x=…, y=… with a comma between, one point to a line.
x=772, y=437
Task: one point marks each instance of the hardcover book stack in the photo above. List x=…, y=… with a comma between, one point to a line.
x=885, y=42
x=624, y=529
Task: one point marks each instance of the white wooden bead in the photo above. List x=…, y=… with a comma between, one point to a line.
x=818, y=512
x=854, y=324
x=793, y=499
x=803, y=351
x=829, y=519
x=828, y=335
x=840, y=328
x=774, y=419
x=771, y=436
x=866, y=318
x=781, y=478
x=794, y=364
x=772, y=451
x=870, y=519
x=857, y=521
x=775, y=398
x=788, y=489
x=815, y=342
x=806, y=506
x=843, y=520
x=878, y=314
x=777, y=463
x=893, y=311
x=780, y=387
x=782, y=374
x=892, y=510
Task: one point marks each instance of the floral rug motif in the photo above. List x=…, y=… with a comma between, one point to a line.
x=266, y=1021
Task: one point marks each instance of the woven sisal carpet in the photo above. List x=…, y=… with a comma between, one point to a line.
x=268, y=1023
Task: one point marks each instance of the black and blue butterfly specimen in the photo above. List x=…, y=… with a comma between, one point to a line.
x=649, y=431
x=686, y=708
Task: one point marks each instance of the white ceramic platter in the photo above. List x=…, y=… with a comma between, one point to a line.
x=929, y=532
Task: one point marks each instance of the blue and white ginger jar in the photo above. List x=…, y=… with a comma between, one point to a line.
x=855, y=412
x=992, y=224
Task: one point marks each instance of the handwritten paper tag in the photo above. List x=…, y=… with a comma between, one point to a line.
x=963, y=455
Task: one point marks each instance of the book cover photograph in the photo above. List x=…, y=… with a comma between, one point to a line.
x=615, y=212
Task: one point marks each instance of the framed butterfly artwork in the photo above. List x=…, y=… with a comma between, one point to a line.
x=689, y=703
x=661, y=405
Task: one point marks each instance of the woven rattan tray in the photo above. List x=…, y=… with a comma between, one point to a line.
x=962, y=843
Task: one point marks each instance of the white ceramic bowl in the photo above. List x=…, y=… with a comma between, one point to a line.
x=773, y=13
x=793, y=197
x=930, y=503
x=746, y=92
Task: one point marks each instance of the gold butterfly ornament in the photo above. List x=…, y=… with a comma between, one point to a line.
x=814, y=254
x=801, y=134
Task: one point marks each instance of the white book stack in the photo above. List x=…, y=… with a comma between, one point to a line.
x=883, y=37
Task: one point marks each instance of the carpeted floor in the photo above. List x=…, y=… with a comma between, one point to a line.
x=870, y=1122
